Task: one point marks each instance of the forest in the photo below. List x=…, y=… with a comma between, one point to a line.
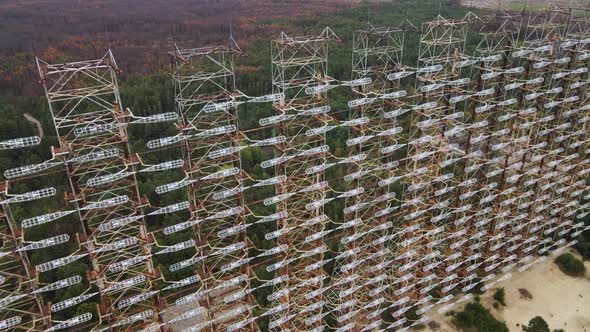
x=140, y=41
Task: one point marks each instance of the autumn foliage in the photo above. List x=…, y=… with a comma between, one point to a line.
x=141, y=32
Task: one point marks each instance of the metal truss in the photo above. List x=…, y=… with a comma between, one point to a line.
x=206, y=102
x=434, y=130
x=84, y=100
x=299, y=75
x=21, y=307
x=359, y=275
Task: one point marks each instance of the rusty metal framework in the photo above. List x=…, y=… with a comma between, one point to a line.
x=84, y=101
x=471, y=173
x=18, y=279
x=374, y=143
x=300, y=71
x=207, y=106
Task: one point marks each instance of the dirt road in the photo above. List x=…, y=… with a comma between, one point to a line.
x=35, y=122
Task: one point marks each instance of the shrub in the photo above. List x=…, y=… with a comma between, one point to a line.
x=537, y=324
x=476, y=316
x=583, y=247
x=500, y=296
x=569, y=264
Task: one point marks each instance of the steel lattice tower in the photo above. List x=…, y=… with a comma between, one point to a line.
x=428, y=181
x=18, y=278
x=84, y=101
x=205, y=101
x=373, y=141
x=299, y=75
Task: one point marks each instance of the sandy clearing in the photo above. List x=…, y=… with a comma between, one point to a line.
x=563, y=301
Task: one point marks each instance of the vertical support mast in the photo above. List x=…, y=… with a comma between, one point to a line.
x=428, y=183
x=84, y=101
x=17, y=277
x=360, y=275
x=206, y=103
x=299, y=73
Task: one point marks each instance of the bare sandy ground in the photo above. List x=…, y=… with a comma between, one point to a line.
x=563, y=301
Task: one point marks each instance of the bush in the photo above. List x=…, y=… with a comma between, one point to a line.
x=500, y=296
x=569, y=264
x=583, y=247
x=476, y=316
x=537, y=324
